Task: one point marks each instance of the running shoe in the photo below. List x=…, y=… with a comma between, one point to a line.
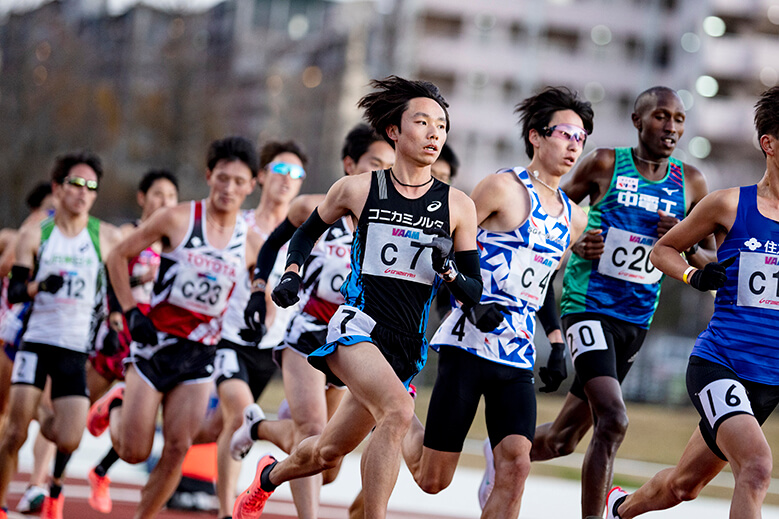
x=284, y=412
x=412, y=390
x=52, y=508
x=3, y=513
x=32, y=500
x=99, y=495
x=97, y=419
x=488, y=481
x=242, y=441
x=251, y=502
x=615, y=498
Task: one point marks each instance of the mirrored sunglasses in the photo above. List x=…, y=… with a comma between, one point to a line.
x=82, y=182
x=283, y=168
x=567, y=132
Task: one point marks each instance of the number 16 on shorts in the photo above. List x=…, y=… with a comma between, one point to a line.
x=722, y=398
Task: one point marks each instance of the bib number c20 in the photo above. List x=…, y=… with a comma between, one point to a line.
x=626, y=256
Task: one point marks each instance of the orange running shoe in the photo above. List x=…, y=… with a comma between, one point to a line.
x=97, y=419
x=3, y=513
x=251, y=502
x=100, y=496
x=52, y=508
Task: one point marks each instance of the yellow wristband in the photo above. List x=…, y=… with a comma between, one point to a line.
x=687, y=272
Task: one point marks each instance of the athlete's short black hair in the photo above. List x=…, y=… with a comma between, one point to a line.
x=64, y=163
x=37, y=194
x=644, y=99
x=767, y=113
x=448, y=156
x=536, y=112
x=386, y=106
x=273, y=148
x=153, y=175
x=231, y=149
x=358, y=140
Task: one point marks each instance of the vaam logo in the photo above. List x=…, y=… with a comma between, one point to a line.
x=405, y=233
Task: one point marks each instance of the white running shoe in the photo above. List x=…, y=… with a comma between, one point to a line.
x=488, y=481
x=241, y=442
x=284, y=412
x=32, y=500
x=613, y=501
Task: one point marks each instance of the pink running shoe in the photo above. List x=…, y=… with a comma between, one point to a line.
x=251, y=502
x=412, y=390
x=99, y=496
x=52, y=508
x=615, y=498
x=97, y=419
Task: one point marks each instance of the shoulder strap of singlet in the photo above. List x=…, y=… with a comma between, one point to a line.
x=93, y=228
x=381, y=179
x=47, y=226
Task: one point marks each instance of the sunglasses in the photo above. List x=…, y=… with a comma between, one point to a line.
x=566, y=132
x=283, y=168
x=82, y=182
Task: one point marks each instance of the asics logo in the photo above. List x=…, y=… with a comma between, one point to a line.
x=435, y=206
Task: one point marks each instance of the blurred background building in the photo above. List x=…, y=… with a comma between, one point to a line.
x=149, y=85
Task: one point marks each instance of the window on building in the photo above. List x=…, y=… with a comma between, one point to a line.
x=663, y=54
x=517, y=32
x=634, y=48
x=443, y=80
x=562, y=38
x=446, y=26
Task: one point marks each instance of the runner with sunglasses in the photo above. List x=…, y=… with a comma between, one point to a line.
x=526, y=224
x=610, y=288
x=59, y=267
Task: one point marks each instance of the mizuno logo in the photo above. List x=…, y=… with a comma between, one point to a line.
x=670, y=191
x=435, y=206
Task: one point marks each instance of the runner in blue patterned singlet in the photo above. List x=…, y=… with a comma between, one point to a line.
x=526, y=225
x=401, y=253
x=610, y=287
x=206, y=245
x=733, y=373
x=59, y=268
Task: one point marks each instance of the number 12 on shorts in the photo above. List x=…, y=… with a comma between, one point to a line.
x=722, y=398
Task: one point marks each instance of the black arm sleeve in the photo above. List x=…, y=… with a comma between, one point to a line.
x=270, y=249
x=113, y=302
x=304, y=239
x=17, y=285
x=548, y=314
x=467, y=286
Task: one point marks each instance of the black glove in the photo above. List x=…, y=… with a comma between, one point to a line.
x=142, y=330
x=286, y=292
x=441, y=247
x=251, y=335
x=555, y=371
x=254, y=313
x=51, y=284
x=486, y=317
x=110, y=343
x=712, y=276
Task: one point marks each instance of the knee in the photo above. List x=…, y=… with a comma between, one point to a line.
x=755, y=474
x=685, y=488
x=512, y=467
x=397, y=420
x=14, y=436
x=175, y=448
x=308, y=429
x=612, y=425
x=433, y=484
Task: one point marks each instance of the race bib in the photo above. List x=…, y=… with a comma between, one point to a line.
x=722, y=398
x=626, y=256
x=585, y=336
x=25, y=365
x=529, y=276
x=348, y=320
x=200, y=292
x=398, y=252
x=226, y=363
x=758, y=280
x=334, y=273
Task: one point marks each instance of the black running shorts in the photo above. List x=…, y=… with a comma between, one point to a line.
x=600, y=346
x=509, y=397
x=253, y=365
x=182, y=362
x=718, y=394
x=67, y=369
